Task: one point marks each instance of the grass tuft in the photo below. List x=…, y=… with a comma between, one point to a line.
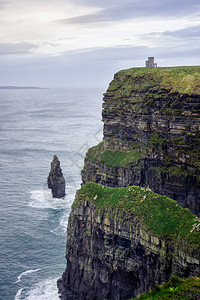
x=176, y=289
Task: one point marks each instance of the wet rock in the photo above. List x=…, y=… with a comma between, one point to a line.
x=55, y=180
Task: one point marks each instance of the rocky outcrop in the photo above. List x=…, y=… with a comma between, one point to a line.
x=55, y=180
x=122, y=238
x=151, y=134
x=115, y=252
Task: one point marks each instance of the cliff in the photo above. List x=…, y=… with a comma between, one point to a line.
x=121, y=242
x=125, y=235
x=151, y=134
x=55, y=180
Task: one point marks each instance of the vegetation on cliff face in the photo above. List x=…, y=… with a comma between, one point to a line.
x=156, y=213
x=189, y=153
x=176, y=289
x=157, y=144
x=123, y=241
x=112, y=158
x=158, y=110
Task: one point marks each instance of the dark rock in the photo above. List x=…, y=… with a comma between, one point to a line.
x=153, y=115
x=111, y=259
x=55, y=180
x=161, y=125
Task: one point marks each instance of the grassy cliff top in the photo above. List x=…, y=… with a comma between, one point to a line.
x=157, y=214
x=184, y=80
x=176, y=288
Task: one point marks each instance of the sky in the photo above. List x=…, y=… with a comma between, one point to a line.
x=69, y=43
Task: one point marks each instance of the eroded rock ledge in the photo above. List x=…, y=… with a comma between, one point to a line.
x=120, y=244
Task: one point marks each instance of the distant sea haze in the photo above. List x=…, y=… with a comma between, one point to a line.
x=11, y=87
x=35, y=125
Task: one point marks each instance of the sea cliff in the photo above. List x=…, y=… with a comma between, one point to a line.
x=124, y=234
x=121, y=242
x=151, y=134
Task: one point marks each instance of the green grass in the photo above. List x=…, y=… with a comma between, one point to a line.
x=112, y=157
x=176, y=289
x=157, y=214
x=184, y=80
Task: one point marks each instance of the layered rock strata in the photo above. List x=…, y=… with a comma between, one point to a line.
x=119, y=244
x=151, y=134
x=55, y=180
x=122, y=239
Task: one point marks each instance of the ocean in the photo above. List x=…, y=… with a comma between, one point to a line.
x=35, y=125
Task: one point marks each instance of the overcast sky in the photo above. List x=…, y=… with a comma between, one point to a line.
x=83, y=42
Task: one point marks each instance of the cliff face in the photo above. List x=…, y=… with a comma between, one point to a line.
x=151, y=134
x=122, y=239
x=119, y=243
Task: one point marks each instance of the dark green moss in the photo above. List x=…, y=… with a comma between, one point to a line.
x=158, y=214
x=112, y=157
x=186, y=145
x=94, y=153
x=176, y=289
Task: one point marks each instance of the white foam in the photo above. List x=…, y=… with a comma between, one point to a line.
x=26, y=273
x=64, y=222
x=18, y=295
x=62, y=227
x=43, y=199
x=44, y=290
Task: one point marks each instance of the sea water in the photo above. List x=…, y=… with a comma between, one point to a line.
x=35, y=125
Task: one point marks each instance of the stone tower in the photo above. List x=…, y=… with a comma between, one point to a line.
x=150, y=63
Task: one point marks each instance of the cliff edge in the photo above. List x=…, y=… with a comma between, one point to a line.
x=121, y=242
x=151, y=134
x=125, y=235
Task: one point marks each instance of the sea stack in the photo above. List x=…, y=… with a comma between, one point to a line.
x=56, y=180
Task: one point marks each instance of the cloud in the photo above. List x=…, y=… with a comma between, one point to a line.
x=109, y=54
x=176, y=37
x=185, y=33
x=115, y=11
x=16, y=48
x=3, y=3
x=88, y=67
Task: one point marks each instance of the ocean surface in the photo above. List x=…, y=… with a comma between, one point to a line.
x=35, y=125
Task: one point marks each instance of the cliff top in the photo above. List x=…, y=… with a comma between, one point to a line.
x=157, y=214
x=176, y=288
x=183, y=80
